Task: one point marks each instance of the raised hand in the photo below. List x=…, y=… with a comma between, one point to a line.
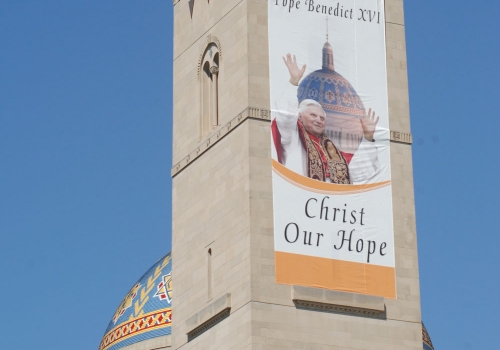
x=369, y=123
x=296, y=73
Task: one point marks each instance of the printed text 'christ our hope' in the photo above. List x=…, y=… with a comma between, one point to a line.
x=342, y=219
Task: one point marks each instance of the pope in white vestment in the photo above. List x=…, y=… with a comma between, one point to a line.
x=302, y=145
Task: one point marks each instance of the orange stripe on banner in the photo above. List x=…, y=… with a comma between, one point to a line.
x=320, y=186
x=340, y=275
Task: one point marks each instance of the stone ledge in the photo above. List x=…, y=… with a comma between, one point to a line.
x=401, y=137
x=208, y=316
x=219, y=133
x=249, y=113
x=328, y=300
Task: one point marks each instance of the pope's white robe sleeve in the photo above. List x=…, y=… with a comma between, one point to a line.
x=285, y=110
x=364, y=164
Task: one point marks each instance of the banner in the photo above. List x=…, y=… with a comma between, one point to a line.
x=333, y=221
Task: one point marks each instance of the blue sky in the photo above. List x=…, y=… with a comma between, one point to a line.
x=85, y=157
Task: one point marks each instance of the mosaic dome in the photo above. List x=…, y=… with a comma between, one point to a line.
x=145, y=312
x=330, y=89
x=426, y=339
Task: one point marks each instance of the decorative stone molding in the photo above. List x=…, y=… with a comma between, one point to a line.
x=342, y=302
x=209, y=324
x=208, y=316
x=336, y=308
x=211, y=39
x=401, y=137
x=214, y=70
x=218, y=134
x=253, y=113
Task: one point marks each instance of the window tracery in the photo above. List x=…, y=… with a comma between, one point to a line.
x=209, y=88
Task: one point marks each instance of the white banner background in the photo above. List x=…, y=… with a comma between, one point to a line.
x=360, y=57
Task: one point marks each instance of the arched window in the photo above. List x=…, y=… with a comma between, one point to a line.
x=209, y=87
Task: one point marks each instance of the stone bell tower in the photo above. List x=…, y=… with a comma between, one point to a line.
x=226, y=295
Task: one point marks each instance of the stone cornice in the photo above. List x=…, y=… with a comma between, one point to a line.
x=249, y=113
x=335, y=301
x=218, y=134
x=208, y=316
x=401, y=137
